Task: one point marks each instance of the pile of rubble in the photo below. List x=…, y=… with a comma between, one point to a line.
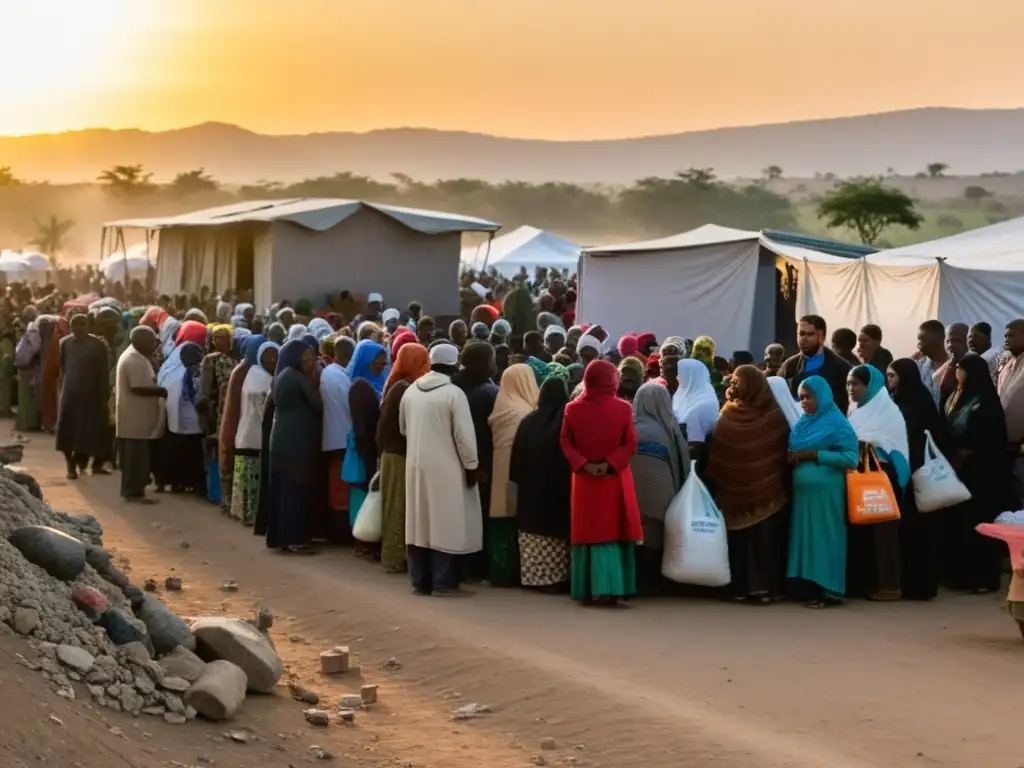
x=88, y=624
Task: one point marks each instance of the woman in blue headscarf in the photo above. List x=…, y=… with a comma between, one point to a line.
x=180, y=451
x=874, y=561
x=294, y=451
x=822, y=446
x=229, y=419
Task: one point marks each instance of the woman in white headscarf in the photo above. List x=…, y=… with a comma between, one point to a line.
x=297, y=332
x=695, y=404
x=319, y=328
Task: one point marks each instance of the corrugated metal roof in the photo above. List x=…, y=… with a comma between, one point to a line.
x=315, y=213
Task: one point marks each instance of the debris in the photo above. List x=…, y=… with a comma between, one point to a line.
x=392, y=665
x=470, y=711
x=347, y=715
x=184, y=544
x=319, y=753
x=350, y=701
x=317, y=717
x=172, y=584
x=334, y=661
x=149, y=585
x=174, y=718
x=239, y=737
x=229, y=586
x=25, y=620
x=368, y=694
x=304, y=695
x=57, y=720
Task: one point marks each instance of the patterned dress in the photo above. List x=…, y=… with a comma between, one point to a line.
x=216, y=373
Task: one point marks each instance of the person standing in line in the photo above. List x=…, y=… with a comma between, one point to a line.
x=335, y=385
x=139, y=413
x=1011, y=395
x=870, y=350
x=932, y=360
x=214, y=378
x=816, y=359
x=248, y=440
x=84, y=400
x=956, y=348
x=979, y=341
x=229, y=420
x=442, y=503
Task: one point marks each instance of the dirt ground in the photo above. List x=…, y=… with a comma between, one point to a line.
x=662, y=683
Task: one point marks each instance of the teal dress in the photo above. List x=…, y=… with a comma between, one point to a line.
x=817, y=537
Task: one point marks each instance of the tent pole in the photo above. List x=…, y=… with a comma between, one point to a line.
x=487, y=254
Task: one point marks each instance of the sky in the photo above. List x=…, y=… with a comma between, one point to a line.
x=552, y=69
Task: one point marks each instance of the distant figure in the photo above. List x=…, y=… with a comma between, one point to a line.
x=83, y=410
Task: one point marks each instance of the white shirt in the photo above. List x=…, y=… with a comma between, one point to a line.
x=334, y=387
x=255, y=390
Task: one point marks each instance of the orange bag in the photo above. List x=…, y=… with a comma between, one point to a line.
x=869, y=495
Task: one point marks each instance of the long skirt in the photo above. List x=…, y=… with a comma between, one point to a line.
x=178, y=462
x=757, y=557
x=544, y=560
x=245, y=492
x=291, y=492
x=817, y=531
x=920, y=543
x=392, y=489
x=29, y=418
x=502, y=551
x=603, y=570
x=337, y=527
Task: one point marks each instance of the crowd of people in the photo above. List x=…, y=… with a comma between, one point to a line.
x=518, y=448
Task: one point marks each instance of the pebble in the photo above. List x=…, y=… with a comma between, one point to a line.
x=25, y=620
x=176, y=684
x=349, y=701
x=229, y=586
x=184, y=544
x=172, y=584
x=57, y=720
x=154, y=711
x=239, y=737
x=548, y=744
x=304, y=695
x=317, y=717
x=150, y=585
x=470, y=711
x=392, y=664
x=347, y=715
x=319, y=753
x=174, y=718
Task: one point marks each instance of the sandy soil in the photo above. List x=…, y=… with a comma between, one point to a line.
x=662, y=683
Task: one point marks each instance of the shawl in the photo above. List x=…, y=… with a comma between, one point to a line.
x=695, y=403
x=652, y=416
x=412, y=362
x=826, y=426
x=319, y=328
x=748, y=462
x=784, y=399
x=169, y=334
x=176, y=377
x=518, y=311
x=517, y=397
x=359, y=367
x=297, y=331
x=539, y=368
x=233, y=402
x=878, y=420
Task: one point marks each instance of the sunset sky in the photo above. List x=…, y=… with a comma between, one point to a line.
x=561, y=69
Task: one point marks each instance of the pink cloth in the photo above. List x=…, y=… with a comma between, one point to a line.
x=1012, y=535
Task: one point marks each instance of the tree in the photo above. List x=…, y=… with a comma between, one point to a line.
x=976, y=194
x=771, y=173
x=191, y=182
x=7, y=177
x=867, y=206
x=935, y=170
x=51, y=235
x=127, y=179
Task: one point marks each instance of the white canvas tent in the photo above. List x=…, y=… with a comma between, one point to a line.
x=523, y=247
x=136, y=259
x=26, y=266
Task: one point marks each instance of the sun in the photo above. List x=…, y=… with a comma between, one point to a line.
x=57, y=54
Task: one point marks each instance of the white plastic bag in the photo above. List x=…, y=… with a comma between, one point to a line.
x=370, y=520
x=696, y=545
x=936, y=485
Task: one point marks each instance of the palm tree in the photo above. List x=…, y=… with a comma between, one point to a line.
x=190, y=182
x=51, y=235
x=127, y=179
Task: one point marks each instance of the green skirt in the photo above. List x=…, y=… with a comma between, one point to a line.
x=29, y=416
x=392, y=490
x=502, y=551
x=245, y=488
x=603, y=570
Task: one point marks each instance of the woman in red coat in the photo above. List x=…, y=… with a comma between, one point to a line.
x=598, y=439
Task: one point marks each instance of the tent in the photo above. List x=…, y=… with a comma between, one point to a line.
x=137, y=259
x=24, y=266
x=523, y=247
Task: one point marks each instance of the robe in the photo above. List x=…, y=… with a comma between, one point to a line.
x=83, y=415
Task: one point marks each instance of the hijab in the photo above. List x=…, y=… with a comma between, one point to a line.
x=557, y=371
x=546, y=421
x=977, y=389
x=827, y=426
x=539, y=368
x=600, y=381
x=695, y=403
x=784, y=399
x=877, y=420
x=413, y=361
x=277, y=331
x=628, y=345
x=251, y=348
x=359, y=367
x=290, y=356
x=402, y=337
x=319, y=328
x=652, y=416
x=297, y=331
x=517, y=396
x=191, y=331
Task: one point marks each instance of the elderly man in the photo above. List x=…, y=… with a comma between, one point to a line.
x=442, y=503
x=139, y=406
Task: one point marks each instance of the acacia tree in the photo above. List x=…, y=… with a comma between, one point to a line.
x=7, y=177
x=976, y=194
x=191, y=182
x=771, y=173
x=867, y=206
x=935, y=170
x=51, y=235
x=127, y=179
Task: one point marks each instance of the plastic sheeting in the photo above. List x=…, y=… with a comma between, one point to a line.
x=527, y=247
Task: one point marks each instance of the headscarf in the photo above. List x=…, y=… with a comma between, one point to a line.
x=479, y=331
x=588, y=342
x=600, y=381
x=483, y=313
x=877, y=420
x=645, y=339
x=748, y=457
x=517, y=396
x=653, y=369
x=628, y=345
x=632, y=369
x=276, y=330
x=359, y=368
x=297, y=331
x=310, y=341
x=177, y=377
x=552, y=397
x=304, y=307
x=547, y=320
x=554, y=330
x=250, y=348
x=827, y=427
x=977, y=389
x=784, y=399
x=695, y=403
x=191, y=331
x=576, y=371
x=240, y=310
x=198, y=316
x=320, y=328
x=221, y=328
x=402, y=337
x=652, y=416
x=290, y=356
x=675, y=341
x=557, y=371
x=412, y=362
x=539, y=368
x=388, y=314
x=263, y=347
x=501, y=328
x=224, y=311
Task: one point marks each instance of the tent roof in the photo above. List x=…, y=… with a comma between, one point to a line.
x=316, y=213
x=815, y=243
x=796, y=253
x=708, y=234
x=998, y=247
x=525, y=246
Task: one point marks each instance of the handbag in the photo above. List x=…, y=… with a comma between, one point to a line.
x=936, y=485
x=369, y=525
x=869, y=495
x=353, y=468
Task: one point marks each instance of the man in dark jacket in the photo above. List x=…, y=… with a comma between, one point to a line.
x=815, y=359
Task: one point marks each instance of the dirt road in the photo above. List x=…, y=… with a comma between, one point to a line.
x=662, y=683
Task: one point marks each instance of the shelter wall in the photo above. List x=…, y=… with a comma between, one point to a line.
x=367, y=252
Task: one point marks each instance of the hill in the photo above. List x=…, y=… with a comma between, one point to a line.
x=969, y=141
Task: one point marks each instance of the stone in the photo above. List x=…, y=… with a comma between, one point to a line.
x=120, y=629
x=25, y=620
x=190, y=713
x=90, y=601
x=154, y=711
x=60, y=555
x=347, y=715
x=181, y=662
x=349, y=701
x=149, y=585
x=548, y=743
x=470, y=711
x=166, y=630
x=132, y=592
x=98, y=558
x=184, y=544
x=144, y=685
x=175, y=704
x=319, y=753
x=12, y=453
x=239, y=737
x=368, y=694
x=229, y=586
x=334, y=661
x=96, y=691
x=240, y=643
x=174, y=718
x=304, y=695
x=219, y=692
x=317, y=717
x=176, y=684
x=67, y=693
x=137, y=653
x=76, y=658
x=172, y=584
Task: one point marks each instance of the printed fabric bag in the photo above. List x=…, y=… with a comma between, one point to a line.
x=369, y=525
x=936, y=485
x=869, y=495
x=696, y=546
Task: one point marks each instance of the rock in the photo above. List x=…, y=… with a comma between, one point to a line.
x=91, y=601
x=470, y=711
x=174, y=718
x=176, y=684
x=172, y=584
x=136, y=653
x=25, y=620
x=190, y=713
x=334, y=661
x=12, y=453
x=229, y=586
x=120, y=628
x=317, y=717
x=165, y=629
x=175, y=704
x=350, y=701
x=239, y=737
x=132, y=592
x=78, y=659
x=238, y=642
x=27, y=482
x=548, y=744
x=304, y=695
x=218, y=694
x=392, y=665
x=67, y=693
x=60, y=555
x=368, y=694
x=319, y=753
x=149, y=585
x=184, y=544
x=181, y=662
x=154, y=711
x=144, y=685
x=347, y=715
x=98, y=558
